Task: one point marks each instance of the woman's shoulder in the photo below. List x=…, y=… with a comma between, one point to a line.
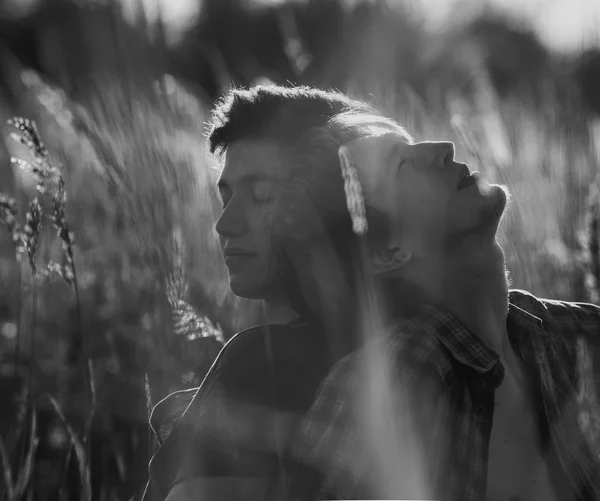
x=252, y=364
x=275, y=340
x=167, y=413
x=273, y=354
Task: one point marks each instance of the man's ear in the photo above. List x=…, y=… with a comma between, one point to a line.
x=389, y=260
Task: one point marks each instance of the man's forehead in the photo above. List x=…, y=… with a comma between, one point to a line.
x=374, y=155
x=253, y=159
x=378, y=146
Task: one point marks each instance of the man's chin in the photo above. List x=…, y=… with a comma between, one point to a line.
x=497, y=199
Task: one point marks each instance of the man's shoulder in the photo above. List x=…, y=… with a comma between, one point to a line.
x=409, y=344
x=560, y=314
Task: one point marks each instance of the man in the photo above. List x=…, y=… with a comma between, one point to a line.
x=485, y=393
x=229, y=442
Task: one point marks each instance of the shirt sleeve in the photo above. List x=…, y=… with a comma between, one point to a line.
x=578, y=324
x=572, y=318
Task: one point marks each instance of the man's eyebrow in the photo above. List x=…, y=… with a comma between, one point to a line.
x=394, y=152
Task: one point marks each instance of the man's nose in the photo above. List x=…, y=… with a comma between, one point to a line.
x=232, y=222
x=438, y=154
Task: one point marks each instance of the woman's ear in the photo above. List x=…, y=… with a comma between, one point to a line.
x=389, y=260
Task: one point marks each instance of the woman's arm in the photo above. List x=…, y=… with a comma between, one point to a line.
x=219, y=489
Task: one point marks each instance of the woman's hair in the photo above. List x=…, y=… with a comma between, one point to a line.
x=321, y=260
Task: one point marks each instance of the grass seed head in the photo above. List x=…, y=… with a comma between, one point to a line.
x=32, y=230
x=8, y=212
x=8, y=217
x=28, y=135
x=63, y=271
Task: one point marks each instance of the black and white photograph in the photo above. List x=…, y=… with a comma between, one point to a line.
x=299, y=250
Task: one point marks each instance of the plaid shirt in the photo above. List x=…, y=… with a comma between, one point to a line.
x=446, y=377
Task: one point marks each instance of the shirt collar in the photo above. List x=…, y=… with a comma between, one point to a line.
x=466, y=348
x=522, y=320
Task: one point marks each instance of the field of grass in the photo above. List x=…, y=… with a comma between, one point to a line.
x=111, y=335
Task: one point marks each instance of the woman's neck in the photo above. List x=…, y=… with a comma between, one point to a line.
x=278, y=312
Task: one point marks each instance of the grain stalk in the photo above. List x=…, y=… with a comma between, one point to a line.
x=9, y=219
x=17, y=488
x=26, y=239
x=51, y=184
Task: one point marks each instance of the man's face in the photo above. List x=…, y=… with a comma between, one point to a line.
x=250, y=187
x=425, y=192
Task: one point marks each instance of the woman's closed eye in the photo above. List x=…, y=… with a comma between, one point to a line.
x=400, y=165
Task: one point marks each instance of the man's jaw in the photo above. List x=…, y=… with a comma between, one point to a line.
x=497, y=200
x=485, y=218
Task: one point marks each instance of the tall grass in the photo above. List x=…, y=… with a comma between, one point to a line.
x=139, y=192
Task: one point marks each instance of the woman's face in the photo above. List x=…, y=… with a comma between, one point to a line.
x=251, y=187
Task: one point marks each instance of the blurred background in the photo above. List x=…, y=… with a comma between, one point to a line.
x=96, y=330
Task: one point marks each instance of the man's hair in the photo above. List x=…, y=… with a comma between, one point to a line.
x=311, y=125
x=272, y=112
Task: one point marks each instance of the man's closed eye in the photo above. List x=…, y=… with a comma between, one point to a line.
x=400, y=165
x=262, y=192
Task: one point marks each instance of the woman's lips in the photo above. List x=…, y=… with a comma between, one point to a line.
x=234, y=258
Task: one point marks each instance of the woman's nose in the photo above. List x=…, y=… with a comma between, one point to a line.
x=438, y=154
